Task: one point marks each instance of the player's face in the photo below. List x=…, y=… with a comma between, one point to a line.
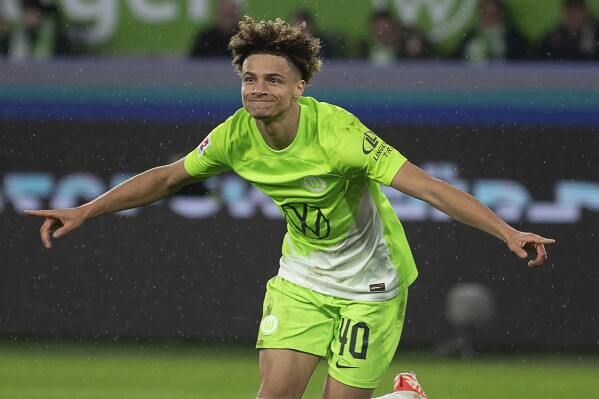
x=269, y=86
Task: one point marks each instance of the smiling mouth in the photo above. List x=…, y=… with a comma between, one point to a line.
x=260, y=101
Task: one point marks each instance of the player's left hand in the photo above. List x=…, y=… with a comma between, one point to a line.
x=522, y=243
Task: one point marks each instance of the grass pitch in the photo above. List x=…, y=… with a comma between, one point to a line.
x=157, y=371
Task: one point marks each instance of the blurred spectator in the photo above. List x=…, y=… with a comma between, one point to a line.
x=390, y=42
x=332, y=45
x=214, y=41
x=494, y=38
x=38, y=35
x=4, y=35
x=576, y=38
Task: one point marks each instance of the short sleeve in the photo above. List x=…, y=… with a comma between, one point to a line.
x=208, y=159
x=359, y=151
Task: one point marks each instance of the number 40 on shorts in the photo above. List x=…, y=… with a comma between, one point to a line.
x=353, y=337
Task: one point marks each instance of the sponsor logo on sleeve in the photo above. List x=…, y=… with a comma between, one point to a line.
x=369, y=142
x=203, y=145
x=372, y=144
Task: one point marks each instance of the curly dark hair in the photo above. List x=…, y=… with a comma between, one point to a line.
x=278, y=38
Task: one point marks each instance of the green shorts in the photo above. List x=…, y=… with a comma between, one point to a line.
x=357, y=338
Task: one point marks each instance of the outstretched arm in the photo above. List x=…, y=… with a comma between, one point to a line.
x=142, y=189
x=464, y=208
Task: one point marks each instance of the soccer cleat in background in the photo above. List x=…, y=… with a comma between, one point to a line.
x=408, y=383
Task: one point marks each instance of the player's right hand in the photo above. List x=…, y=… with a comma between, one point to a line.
x=58, y=223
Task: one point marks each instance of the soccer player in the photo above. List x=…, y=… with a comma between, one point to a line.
x=341, y=290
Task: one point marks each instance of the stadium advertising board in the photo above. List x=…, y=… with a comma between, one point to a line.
x=512, y=200
x=194, y=266
x=167, y=27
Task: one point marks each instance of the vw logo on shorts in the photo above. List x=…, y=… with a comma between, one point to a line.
x=314, y=184
x=269, y=324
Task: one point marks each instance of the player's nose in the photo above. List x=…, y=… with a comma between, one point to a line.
x=259, y=88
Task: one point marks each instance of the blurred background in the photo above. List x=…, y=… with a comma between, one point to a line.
x=499, y=98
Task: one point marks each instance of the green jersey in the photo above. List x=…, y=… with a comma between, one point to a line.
x=343, y=237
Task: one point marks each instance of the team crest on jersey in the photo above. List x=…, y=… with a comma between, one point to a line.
x=314, y=184
x=203, y=145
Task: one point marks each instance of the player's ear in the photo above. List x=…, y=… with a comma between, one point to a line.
x=299, y=89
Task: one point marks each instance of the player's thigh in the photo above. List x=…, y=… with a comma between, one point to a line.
x=295, y=332
x=285, y=373
x=365, y=340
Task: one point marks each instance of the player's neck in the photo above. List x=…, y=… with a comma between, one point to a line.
x=279, y=132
